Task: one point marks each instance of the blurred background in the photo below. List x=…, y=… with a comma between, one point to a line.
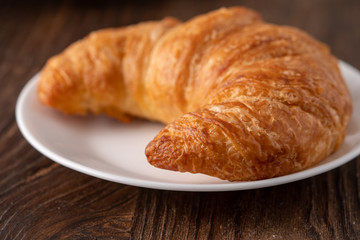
x=49, y=26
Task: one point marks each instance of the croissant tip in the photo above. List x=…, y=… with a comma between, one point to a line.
x=161, y=153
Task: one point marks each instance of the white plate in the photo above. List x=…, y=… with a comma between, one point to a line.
x=108, y=149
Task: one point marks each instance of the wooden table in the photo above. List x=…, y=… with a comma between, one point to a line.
x=40, y=199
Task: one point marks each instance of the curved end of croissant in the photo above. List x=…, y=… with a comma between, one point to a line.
x=178, y=147
x=163, y=153
x=63, y=90
x=60, y=89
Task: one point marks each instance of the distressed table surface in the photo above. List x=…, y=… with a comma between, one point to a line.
x=40, y=199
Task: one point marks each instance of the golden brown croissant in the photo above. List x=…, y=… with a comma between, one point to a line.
x=244, y=99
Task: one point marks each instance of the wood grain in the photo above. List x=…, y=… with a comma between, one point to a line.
x=40, y=199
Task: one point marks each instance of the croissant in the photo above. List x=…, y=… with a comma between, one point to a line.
x=243, y=99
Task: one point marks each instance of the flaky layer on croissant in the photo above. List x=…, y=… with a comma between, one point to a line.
x=244, y=99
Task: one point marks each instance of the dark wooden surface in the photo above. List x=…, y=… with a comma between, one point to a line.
x=40, y=199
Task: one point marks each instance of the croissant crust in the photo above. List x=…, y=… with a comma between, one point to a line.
x=243, y=99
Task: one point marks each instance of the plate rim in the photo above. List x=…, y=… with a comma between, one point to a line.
x=161, y=185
